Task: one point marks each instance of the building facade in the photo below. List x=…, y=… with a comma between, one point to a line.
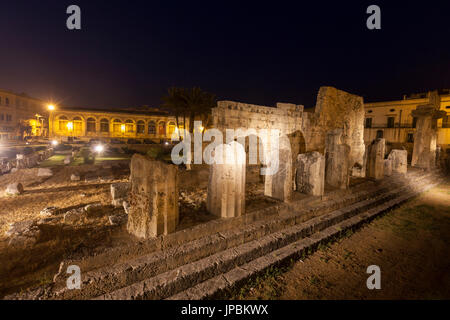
x=393, y=121
x=86, y=124
x=21, y=115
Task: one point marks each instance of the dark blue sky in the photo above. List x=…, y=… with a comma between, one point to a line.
x=129, y=52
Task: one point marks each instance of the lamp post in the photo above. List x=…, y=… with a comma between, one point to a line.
x=50, y=108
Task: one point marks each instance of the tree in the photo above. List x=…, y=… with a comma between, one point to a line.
x=23, y=129
x=193, y=103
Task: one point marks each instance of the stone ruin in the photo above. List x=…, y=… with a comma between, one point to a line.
x=153, y=199
x=323, y=145
x=424, y=152
x=310, y=173
x=337, y=163
x=375, y=159
x=279, y=185
x=306, y=131
x=399, y=160
x=226, y=187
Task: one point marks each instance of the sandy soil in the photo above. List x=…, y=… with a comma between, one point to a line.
x=409, y=244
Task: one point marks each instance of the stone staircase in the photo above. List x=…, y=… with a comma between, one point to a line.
x=209, y=260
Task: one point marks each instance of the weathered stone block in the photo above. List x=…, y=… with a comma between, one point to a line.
x=336, y=109
x=153, y=198
x=375, y=159
x=45, y=172
x=424, y=152
x=310, y=175
x=226, y=187
x=399, y=159
x=14, y=189
x=279, y=185
x=68, y=159
x=388, y=167
x=337, y=157
x=120, y=190
x=49, y=211
x=74, y=215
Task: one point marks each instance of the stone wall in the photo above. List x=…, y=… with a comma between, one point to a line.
x=307, y=131
x=336, y=109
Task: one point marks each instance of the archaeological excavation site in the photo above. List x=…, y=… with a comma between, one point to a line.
x=130, y=224
x=224, y=159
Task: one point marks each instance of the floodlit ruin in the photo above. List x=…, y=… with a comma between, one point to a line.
x=140, y=227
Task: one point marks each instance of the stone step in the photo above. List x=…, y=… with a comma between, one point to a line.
x=221, y=285
x=168, y=283
x=108, y=278
x=331, y=202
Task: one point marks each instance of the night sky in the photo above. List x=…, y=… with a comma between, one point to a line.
x=129, y=52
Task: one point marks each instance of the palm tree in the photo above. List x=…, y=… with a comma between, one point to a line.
x=192, y=103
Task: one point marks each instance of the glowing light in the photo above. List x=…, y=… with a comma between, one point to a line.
x=54, y=142
x=166, y=143
x=122, y=127
x=201, y=128
x=51, y=107
x=70, y=126
x=99, y=148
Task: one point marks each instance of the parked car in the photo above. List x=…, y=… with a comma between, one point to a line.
x=95, y=141
x=134, y=141
x=149, y=141
x=115, y=141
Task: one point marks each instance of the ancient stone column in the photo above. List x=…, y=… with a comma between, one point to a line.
x=336, y=160
x=424, y=152
x=153, y=198
x=226, y=187
x=310, y=175
x=279, y=185
x=399, y=160
x=375, y=159
x=388, y=167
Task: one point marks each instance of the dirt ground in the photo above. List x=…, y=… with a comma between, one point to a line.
x=58, y=191
x=409, y=244
x=35, y=264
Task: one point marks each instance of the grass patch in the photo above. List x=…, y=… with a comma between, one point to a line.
x=269, y=284
x=55, y=160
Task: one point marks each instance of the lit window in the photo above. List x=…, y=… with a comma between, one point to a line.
x=390, y=122
x=90, y=125
x=129, y=126
x=162, y=128
x=117, y=124
x=151, y=127
x=140, y=127
x=380, y=134
x=104, y=125
x=62, y=123
x=77, y=124
x=171, y=128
